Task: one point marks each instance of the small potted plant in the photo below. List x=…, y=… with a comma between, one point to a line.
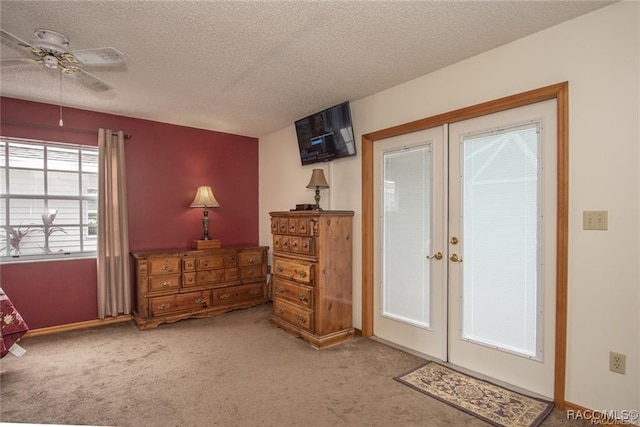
x=49, y=229
x=16, y=234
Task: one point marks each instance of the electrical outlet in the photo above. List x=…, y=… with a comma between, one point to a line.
x=617, y=362
x=595, y=220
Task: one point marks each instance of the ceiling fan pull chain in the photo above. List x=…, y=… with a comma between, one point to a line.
x=61, y=123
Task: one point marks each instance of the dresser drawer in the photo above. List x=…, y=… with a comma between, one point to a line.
x=298, y=294
x=294, y=270
x=230, y=274
x=179, y=302
x=250, y=258
x=285, y=243
x=189, y=279
x=302, y=245
x=166, y=265
x=274, y=225
x=283, y=225
x=232, y=294
x=293, y=226
x=206, y=277
x=252, y=272
x=212, y=261
x=277, y=243
x=230, y=260
x=296, y=315
x=189, y=264
x=303, y=227
x=164, y=283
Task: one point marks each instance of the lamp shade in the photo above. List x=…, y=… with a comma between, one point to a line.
x=204, y=198
x=318, y=180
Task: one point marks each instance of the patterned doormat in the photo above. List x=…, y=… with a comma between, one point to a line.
x=489, y=402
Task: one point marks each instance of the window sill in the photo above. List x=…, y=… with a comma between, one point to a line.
x=31, y=259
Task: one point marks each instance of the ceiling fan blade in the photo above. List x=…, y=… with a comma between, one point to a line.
x=15, y=41
x=88, y=80
x=100, y=56
x=18, y=61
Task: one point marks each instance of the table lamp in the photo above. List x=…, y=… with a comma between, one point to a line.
x=318, y=181
x=205, y=199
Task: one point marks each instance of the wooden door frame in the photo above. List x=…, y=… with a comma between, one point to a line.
x=559, y=92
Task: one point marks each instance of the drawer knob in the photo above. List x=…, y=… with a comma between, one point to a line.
x=254, y=292
x=166, y=284
x=164, y=306
x=224, y=296
x=279, y=268
x=280, y=310
x=250, y=272
x=280, y=289
x=252, y=260
x=165, y=267
x=302, y=297
x=302, y=319
x=302, y=273
x=201, y=301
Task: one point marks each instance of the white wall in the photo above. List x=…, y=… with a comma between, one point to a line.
x=599, y=55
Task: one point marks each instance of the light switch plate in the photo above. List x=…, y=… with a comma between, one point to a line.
x=595, y=220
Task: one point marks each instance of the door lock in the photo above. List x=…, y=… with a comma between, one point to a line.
x=455, y=258
x=454, y=240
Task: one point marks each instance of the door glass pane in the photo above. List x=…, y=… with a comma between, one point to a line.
x=501, y=222
x=406, y=234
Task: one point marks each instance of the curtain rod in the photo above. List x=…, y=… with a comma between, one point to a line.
x=34, y=125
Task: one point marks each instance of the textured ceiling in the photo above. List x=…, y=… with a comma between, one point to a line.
x=251, y=68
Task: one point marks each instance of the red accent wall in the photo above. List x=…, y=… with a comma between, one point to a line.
x=165, y=165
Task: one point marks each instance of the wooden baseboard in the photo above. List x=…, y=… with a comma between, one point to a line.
x=78, y=325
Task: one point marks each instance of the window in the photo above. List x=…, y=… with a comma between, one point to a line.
x=48, y=200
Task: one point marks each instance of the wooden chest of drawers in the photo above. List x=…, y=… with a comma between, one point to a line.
x=312, y=275
x=175, y=285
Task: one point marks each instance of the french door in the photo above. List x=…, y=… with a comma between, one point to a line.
x=465, y=244
x=410, y=192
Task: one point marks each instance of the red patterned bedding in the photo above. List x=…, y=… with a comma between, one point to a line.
x=11, y=324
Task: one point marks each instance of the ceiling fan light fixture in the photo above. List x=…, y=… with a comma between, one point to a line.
x=51, y=37
x=50, y=61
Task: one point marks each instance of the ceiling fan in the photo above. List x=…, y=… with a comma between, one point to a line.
x=51, y=49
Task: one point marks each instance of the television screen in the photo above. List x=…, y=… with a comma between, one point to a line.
x=326, y=135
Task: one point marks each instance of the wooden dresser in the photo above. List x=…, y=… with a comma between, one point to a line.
x=312, y=275
x=175, y=285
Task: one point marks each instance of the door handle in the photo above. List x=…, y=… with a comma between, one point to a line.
x=437, y=255
x=455, y=258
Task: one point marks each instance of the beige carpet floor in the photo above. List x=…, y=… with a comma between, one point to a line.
x=231, y=370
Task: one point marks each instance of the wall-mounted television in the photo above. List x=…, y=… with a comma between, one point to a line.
x=326, y=135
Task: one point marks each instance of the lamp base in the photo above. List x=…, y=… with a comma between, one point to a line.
x=206, y=244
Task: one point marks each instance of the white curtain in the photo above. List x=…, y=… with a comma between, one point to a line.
x=114, y=283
